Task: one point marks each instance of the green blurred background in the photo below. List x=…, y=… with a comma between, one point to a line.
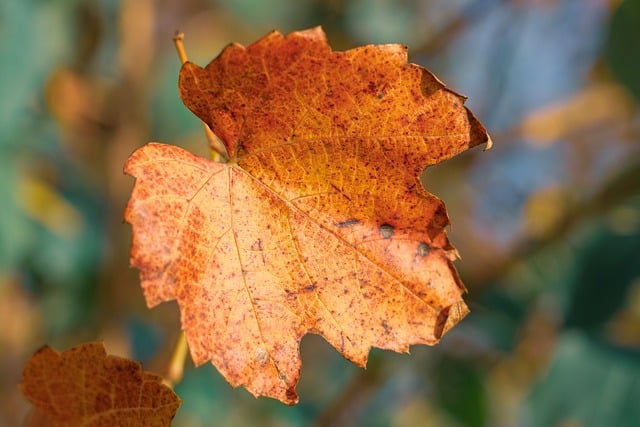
x=547, y=222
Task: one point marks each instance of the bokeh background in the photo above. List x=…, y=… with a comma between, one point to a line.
x=547, y=222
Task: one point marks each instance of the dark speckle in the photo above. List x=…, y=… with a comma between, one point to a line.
x=310, y=288
x=423, y=249
x=257, y=245
x=347, y=223
x=385, y=326
x=386, y=231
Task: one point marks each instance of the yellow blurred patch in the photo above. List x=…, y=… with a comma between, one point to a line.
x=544, y=210
x=44, y=204
x=599, y=106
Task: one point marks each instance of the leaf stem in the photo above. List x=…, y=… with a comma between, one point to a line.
x=178, y=39
x=176, y=366
x=218, y=151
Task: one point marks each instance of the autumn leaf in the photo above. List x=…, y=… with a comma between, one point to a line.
x=318, y=222
x=84, y=386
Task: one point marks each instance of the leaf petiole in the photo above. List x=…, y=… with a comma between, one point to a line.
x=218, y=152
x=176, y=366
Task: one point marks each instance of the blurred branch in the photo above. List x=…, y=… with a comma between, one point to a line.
x=618, y=189
x=471, y=13
x=358, y=392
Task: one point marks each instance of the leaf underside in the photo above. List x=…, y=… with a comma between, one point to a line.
x=318, y=223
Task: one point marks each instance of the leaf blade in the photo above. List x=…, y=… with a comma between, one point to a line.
x=318, y=224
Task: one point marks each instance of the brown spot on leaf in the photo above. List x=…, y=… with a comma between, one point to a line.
x=423, y=249
x=261, y=356
x=386, y=231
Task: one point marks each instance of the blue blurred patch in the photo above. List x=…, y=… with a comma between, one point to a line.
x=509, y=176
x=145, y=339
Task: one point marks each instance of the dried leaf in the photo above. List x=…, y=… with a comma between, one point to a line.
x=318, y=223
x=84, y=386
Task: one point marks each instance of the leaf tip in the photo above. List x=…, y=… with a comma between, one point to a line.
x=488, y=144
x=449, y=317
x=315, y=33
x=292, y=397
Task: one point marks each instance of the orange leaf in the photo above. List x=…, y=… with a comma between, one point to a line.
x=318, y=223
x=85, y=387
